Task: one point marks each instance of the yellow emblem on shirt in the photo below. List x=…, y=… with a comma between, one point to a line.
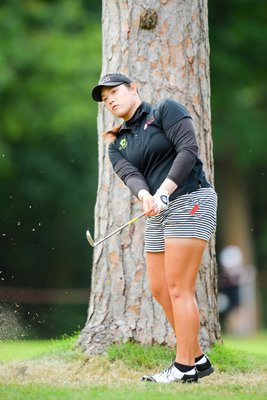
x=123, y=143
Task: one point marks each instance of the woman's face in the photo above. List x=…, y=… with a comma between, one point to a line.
x=121, y=100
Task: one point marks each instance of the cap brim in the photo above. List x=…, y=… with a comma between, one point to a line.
x=96, y=92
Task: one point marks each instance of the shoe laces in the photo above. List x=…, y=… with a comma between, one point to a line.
x=167, y=371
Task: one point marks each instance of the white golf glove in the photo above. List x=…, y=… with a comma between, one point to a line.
x=161, y=200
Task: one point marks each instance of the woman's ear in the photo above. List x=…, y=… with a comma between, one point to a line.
x=133, y=88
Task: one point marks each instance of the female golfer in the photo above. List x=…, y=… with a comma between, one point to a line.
x=155, y=154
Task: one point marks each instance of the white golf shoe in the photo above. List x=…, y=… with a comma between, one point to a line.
x=204, y=367
x=173, y=374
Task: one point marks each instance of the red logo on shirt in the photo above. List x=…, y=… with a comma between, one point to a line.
x=149, y=122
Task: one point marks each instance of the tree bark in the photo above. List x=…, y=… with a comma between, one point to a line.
x=163, y=45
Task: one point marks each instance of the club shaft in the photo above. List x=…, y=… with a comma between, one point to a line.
x=119, y=229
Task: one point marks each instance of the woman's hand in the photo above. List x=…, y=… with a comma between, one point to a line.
x=161, y=200
x=148, y=203
x=153, y=205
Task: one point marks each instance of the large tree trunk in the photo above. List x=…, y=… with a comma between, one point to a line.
x=164, y=46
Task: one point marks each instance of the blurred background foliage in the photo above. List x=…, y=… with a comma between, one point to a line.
x=50, y=56
x=238, y=62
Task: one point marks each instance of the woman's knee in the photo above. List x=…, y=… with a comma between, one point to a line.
x=157, y=291
x=160, y=293
x=156, y=276
x=176, y=291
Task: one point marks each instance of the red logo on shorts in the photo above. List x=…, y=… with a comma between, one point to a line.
x=194, y=209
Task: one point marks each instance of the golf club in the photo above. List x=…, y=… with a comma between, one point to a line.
x=94, y=244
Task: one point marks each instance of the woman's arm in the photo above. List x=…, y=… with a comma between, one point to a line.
x=128, y=173
x=182, y=135
x=132, y=178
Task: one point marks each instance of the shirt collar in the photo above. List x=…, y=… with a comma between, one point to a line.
x=144, y=108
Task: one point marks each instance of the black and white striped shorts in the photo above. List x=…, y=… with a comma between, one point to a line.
x=190, y=215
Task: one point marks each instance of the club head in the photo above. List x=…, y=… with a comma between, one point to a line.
x=89, y=238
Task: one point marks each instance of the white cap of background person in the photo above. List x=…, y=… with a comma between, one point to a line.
x=232, y=261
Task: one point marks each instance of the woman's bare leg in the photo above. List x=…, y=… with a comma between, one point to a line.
x=182, y=260
x=157, y=283
x=160, y=290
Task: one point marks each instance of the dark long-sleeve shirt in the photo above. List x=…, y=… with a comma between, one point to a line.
x=158, y=142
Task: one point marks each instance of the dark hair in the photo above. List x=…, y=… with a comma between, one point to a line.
x=112, y=133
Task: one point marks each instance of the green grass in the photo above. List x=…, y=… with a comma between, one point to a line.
x=140, y=357
x=54, y=370
x=227, y=359
x=148, y=357
x=256, y=343
x=104, y=392
x=17, y=350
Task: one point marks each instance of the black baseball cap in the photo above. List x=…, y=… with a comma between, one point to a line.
x=109, y=80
